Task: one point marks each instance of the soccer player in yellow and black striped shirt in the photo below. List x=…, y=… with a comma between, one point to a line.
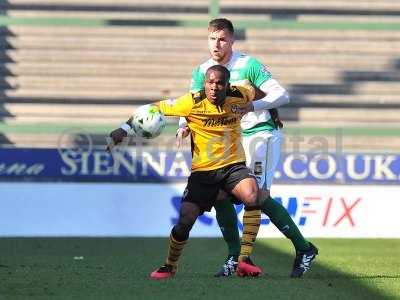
x=218, y=163
x=218, y=159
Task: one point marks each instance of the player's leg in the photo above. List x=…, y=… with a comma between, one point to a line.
x=227, y=221
x=251, y=225
x=305, y=251
x=264, y=152
x=179, y=235
x=254, y=147
x=243, y=186
x=275, y=210
x=199, y=196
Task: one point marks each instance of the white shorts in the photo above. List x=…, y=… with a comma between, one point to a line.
x=262, y=155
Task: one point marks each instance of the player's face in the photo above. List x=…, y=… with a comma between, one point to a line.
x=220, y=44
x=215, y=86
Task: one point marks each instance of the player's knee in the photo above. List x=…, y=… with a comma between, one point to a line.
x=249, y=197
x=181, y=231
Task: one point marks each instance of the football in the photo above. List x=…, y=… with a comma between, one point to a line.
x=148, y=122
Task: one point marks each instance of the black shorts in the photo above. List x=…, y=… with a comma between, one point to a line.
x=203, y=186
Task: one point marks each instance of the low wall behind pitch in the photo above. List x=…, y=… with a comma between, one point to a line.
x=121, y=209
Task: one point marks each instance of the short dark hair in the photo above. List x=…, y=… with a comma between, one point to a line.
x=222, y=69
x=221, y=24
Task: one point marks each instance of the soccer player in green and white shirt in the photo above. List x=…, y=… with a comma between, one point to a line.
x=261, y=138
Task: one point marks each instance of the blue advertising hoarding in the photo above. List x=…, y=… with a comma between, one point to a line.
x=139, y=165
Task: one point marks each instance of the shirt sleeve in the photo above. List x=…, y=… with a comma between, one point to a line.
x=197, y=82
x=276, y=96
x=258, y=73
x=248, y=91
x=180, y=107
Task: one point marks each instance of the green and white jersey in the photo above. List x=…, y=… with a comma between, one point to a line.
x=243, y=68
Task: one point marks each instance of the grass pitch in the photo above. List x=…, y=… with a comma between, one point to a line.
x=94, y=268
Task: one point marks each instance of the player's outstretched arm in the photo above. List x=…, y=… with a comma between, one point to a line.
x=171, y=107
x=118, y=135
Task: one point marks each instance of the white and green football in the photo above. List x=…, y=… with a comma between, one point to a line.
x=148, y=122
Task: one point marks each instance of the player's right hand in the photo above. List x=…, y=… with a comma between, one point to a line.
x=181, y=133
x=117, y=136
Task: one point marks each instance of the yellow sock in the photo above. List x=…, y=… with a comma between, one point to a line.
x=174, y=251
x=251, y=224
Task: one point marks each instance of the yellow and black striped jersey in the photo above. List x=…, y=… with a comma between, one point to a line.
x=215, y=130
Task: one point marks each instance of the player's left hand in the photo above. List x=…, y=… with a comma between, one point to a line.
x=248, y=107
x=117, y=136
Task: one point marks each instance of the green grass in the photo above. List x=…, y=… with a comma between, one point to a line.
x=118, y=269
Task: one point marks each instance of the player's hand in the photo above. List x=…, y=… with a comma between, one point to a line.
x=248, y=107
x=117, y=136
x=181, y=133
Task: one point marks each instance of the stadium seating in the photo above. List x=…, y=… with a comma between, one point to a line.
x=64, y=62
